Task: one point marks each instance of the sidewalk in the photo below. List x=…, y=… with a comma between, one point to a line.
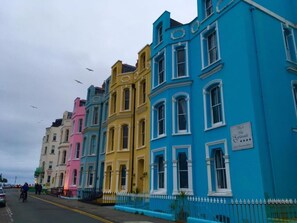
x=106, y=212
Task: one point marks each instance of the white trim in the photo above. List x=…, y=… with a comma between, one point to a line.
x=154, y=60
x=175, y=130
x=203, y=34
x=160, y=191
x=205, y=93
x=218, y=192
x=286, y=42
x=174, y=65
x=176, y=190
x=153, y=126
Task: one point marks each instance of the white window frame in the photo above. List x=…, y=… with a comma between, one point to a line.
x=222, y=144
x=176, y=189
x=175, y=48
x=287, y=44
x=204, y=45
x=155, y=153
x=208, y=120
x=175, y=128
x=77, y=150
x=161, y=54
x=154, y=121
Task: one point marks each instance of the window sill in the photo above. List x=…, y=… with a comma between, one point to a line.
x=220, y=194
x=158, y=44
x=181, y=133
x=214, y=127
x=207, y=17
x=291, y=66
x=159, y=137
x=141, y=147
x=178, y=78
x=211, y=69
x=159, y=85
x=185, y=191
x=158, y=192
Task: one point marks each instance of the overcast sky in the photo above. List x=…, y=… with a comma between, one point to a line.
x=45, y=45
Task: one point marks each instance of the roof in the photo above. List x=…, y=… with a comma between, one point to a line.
x=57, y=123
x=174, y=23
x=128, y=68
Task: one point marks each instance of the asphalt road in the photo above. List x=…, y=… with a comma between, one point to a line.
x=36, y=211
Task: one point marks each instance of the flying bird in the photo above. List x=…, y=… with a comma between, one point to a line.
x=89, y=69
x=78, y=81
x=32, y=106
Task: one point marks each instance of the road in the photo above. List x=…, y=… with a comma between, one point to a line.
x=36, y=210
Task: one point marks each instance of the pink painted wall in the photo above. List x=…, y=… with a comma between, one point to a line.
x=73, y=161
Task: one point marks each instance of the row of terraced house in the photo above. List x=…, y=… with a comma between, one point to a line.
x=208, y=111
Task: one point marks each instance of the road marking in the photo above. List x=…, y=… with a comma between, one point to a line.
x=74, y=210
x=9, y=212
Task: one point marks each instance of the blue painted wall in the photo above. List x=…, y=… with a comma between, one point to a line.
x=257, y=89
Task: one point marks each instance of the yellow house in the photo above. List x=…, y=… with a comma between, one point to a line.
x=127, y=151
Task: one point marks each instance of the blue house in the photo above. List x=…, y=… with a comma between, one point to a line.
x=89, y=182
x=224, y=101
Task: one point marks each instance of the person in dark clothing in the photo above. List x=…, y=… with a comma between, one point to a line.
x=39, y=188
x=36, y=188
x=24, y=190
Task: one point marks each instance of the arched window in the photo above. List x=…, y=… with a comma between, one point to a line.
x=214, y=105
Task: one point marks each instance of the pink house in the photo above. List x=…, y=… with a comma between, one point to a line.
x=74, y=155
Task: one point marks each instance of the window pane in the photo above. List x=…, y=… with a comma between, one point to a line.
x=160, y=172
x=216, y=106
x=126, y=99
x=220, y=170
x=161, y=70
x=208, y=7
x=182, y=114
x=161, y=120
x=125, y=136
x=180, y=53
x=212, y=47
x=183, y=170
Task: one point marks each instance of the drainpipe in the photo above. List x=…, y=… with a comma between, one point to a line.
x=252, y=9
x=133, y=136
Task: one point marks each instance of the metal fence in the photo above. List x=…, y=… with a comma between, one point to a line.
x=215, y=209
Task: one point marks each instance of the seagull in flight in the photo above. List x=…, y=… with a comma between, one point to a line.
x=32, y=106
x=78, y=81
x=89, y=69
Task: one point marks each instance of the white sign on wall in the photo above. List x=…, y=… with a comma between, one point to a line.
x=241, y=136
